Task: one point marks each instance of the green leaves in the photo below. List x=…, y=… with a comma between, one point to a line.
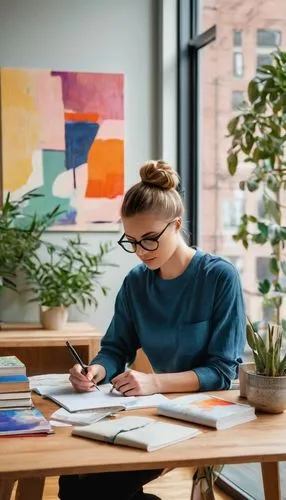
x=252, y=91
x=267, y=351
x=17, y=243
x=257, y=146
x=232, y=163
x=264, y=286
x=232, y=125
x=70, y=275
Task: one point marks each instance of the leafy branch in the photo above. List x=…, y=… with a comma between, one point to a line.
x=258, y=137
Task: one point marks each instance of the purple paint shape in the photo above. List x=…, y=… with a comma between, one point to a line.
x=93, y=93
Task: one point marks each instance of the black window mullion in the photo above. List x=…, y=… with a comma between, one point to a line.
x=189, y=43
x=186, y=79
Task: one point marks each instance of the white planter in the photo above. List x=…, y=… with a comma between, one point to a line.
x=266, y=393
x=243, y=369
x=53, y=318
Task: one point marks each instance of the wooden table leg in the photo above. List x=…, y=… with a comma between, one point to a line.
x=30, y=488
x=6, y=487
x=271, y=481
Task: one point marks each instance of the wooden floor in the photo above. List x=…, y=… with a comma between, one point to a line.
x=176, y=485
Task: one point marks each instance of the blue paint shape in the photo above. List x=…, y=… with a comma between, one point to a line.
x=69, y=217
x=79, y=138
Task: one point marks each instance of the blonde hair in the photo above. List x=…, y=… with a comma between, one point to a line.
x=155, y=193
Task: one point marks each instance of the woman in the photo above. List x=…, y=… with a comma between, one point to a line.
x=185, y=309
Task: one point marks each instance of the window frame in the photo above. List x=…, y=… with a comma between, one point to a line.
x=275, y=33
x=190, y=41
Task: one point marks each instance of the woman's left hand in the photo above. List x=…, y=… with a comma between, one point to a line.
x=133, y=383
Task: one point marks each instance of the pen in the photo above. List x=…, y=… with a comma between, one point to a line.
x=78, y=359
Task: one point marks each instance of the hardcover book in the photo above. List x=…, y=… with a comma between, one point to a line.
x=207, y=410
x=11, y=365
x=138, y=432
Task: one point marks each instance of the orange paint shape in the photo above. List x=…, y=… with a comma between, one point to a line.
x=105, y=169
x=82, y=117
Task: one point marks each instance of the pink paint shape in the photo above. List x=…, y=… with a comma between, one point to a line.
x=93, y=92
x=49, y=101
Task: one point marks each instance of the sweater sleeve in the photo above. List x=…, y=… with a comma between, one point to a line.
x=228, y=333
x=120, y=343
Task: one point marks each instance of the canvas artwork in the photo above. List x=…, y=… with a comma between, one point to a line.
x=63, y=138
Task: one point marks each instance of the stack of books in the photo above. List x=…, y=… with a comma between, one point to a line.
x=15, y=392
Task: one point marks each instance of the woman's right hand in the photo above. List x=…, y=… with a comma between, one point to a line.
x=86, y=382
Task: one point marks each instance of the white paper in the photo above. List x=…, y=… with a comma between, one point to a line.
x=81, y=418
x=151, y=401
x=58, y=388
x=50, y=379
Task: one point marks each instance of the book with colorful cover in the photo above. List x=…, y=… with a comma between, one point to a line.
x=28, y=421
x=11, y=365
x=207, y=410
x=14, y=383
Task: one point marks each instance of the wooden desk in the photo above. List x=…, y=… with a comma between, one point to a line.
x=44, y=351
x=32, y=459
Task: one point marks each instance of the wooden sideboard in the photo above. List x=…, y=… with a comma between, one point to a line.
x=44, y=351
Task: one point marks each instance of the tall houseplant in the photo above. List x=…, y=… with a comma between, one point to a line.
x=258, y=137
x=69, y=275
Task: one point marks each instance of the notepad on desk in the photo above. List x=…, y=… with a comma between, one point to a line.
x=73, y=401
x=138, y=432
x=207, y=410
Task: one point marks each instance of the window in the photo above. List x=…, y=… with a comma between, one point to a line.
x=232, y=210
x=237, y=38
x=262, y=268
x=263, y=59
x=237, y=262
x=261, y=208
x=216, y=94
x=238, y=64
x=237, y=99
x=268, y=38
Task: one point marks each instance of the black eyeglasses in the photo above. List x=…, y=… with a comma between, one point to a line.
x=149, y=244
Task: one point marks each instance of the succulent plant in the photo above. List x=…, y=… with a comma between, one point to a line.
x=267, y=352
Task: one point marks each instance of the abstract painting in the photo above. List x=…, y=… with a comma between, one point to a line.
x=63, y=139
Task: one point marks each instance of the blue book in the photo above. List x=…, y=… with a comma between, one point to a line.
x=13, y=378
x=14, y=383
x=30, y=421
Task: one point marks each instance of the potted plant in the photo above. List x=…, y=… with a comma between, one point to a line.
x=20, y=237
x=70, y=275
x=258, y=134
x=266, y=386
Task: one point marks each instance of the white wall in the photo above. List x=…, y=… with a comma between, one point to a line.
x=100, y=36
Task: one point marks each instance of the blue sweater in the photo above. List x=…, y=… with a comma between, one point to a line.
x=193, y=322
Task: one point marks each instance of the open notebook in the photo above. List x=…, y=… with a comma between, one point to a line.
x=73, y=401
x=138, y=432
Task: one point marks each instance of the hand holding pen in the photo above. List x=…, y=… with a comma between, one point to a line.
x=84, y=368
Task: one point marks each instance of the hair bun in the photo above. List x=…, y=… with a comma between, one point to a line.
x=160, y=174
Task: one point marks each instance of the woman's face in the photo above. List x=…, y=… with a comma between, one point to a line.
x=148, y=226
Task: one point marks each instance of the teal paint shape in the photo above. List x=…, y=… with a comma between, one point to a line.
x=53, y=166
